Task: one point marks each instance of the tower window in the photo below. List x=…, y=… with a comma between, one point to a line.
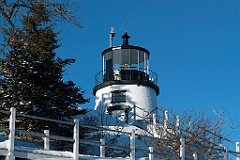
x=118, y=96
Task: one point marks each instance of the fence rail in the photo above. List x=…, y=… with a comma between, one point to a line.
x=132, y=149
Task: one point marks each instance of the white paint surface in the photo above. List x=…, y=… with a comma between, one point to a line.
x=143, y=97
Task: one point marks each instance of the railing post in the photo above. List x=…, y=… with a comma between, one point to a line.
x=102, y=147
x=154, y=125
x=226, y=154
x=132, y=145
x=76, y=139
x=151, y=155
x=178, y=124
x=237, y=150
x=134, y=113
x=182, y=149
x=165, y=120
x=195, y=156
x=11, y=135
x=46, y=140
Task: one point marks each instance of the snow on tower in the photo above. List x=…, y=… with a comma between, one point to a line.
x=126, y=87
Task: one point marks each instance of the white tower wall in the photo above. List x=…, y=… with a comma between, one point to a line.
x=140, y=96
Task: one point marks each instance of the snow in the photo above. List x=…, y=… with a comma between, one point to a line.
x=117, y=134
x=4, y=144
x=59, y=154
x=27, y=147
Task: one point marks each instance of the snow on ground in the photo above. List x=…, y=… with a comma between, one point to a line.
x=37, y=149
x=28, y=147
x=121, y=138
x=115, y=138
x=4, y=142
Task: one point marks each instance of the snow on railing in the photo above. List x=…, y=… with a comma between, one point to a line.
x=11, y=149
x=133, y=136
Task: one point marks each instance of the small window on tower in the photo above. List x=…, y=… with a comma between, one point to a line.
x=118, y=96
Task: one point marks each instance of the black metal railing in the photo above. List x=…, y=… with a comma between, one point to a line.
x=116, y=75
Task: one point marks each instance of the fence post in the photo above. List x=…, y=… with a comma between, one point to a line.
x=195, y=156
x=226, y=154
x=134, y=113
x=237, y=150
x=154, y=125
x=182, y=148
x=132, y=145
x=46, y=140
x=11, y=135
x=178, y=124
x=151, y=155
x=102, y=147
x=76, y=139
x=165, y=120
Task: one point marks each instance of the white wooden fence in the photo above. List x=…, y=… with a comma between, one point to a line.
x=12, y=151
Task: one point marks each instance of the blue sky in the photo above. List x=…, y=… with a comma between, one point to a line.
x=194, y=48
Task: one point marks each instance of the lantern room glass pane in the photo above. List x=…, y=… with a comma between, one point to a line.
x=141, y=56
x=117, y=58
x=125, y=58
x=108, y=60
x=108, y=55
x=141, y=60
x=134, y=59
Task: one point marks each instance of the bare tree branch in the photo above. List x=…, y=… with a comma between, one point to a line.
x=4, y=14
x=55, y=10
x=197, y=129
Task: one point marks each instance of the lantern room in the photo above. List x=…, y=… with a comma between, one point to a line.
x=125, y=62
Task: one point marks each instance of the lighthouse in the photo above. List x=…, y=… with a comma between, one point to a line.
x=126, y=87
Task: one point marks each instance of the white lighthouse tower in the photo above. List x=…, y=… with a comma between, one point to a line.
x=126, y=87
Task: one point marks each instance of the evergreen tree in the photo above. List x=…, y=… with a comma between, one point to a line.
x=32, y=75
